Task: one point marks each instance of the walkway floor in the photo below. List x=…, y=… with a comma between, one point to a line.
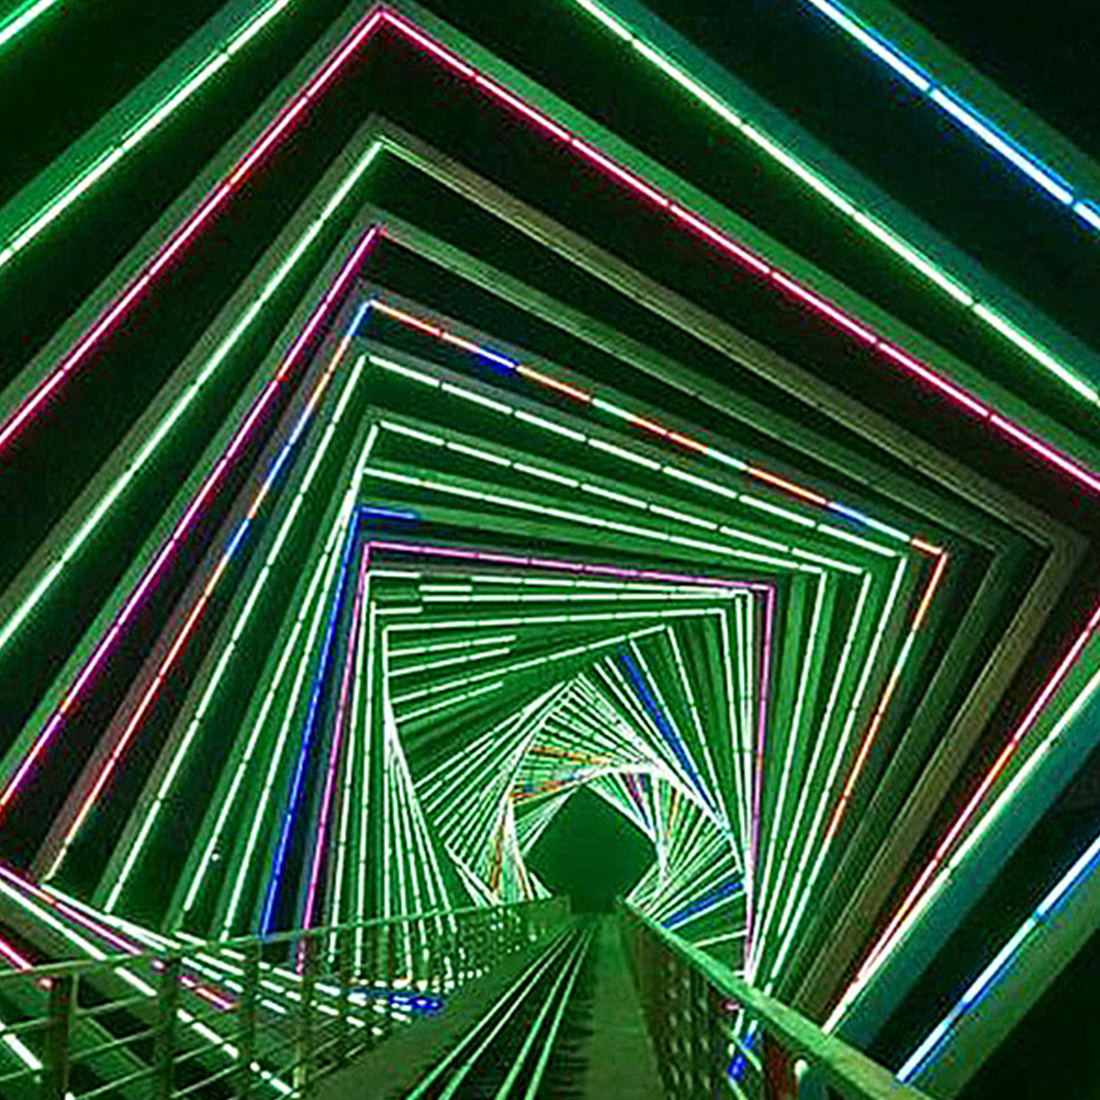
x=393, y=1068
x=618, y=1058
x=602, y=1051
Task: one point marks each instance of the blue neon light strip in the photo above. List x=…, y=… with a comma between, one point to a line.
x=999, y=965
x=278, y=864
x=376, y=511
x=961, y=112
x=740, y=1063
x=653, y=709
x=701, y=904
x=420, y=1004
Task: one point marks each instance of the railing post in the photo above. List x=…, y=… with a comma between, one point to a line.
x=458, y=933
x=303, y=1063
x=391, y=965
x=418, y=935
x=779, y=1079
x=448, y=970
x=702, y=1034
x=668, y=1021
x=697, y=1033
x=485, y=916
x=246, y=1014
x=366, y=976
x=716, y=1041
x=55, y=1074
x=343, y=969
x=164, y=1052
x=434, y=948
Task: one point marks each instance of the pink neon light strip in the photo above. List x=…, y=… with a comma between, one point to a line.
x=178, y=242
x=569, y=566
x=16, y=958
x=177, y=537
x=992, y=775
x=910, y=364
x=123, y=944
x=27, y=887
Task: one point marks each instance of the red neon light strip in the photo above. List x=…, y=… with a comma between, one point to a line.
x=691, y=444
x=820, y=304
x=554, y=384
x=650, y=426
x=933, y=584
x=926, y=547
x=991, y=777
x=51, y=728
x=787, y=486
x=913, y=366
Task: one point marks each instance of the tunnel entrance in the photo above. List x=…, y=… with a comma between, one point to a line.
x=590, y=852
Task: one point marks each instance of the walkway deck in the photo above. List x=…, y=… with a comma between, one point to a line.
x=618, y=1058
x=601, y=1051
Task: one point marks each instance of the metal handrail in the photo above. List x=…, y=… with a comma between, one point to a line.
x=703, y=1018
x=323, y=1016
x=188, y=947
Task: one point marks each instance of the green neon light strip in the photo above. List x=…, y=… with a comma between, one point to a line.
x=337, y=535
x=207, y=372
x=795, y=829
x=848, y=727
x=790, y=922
x=20, y=19
x=669, y=470
x=270, y=562
x=993, y=318
x=114, y=154
x=273, y=556
x=795, y=741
